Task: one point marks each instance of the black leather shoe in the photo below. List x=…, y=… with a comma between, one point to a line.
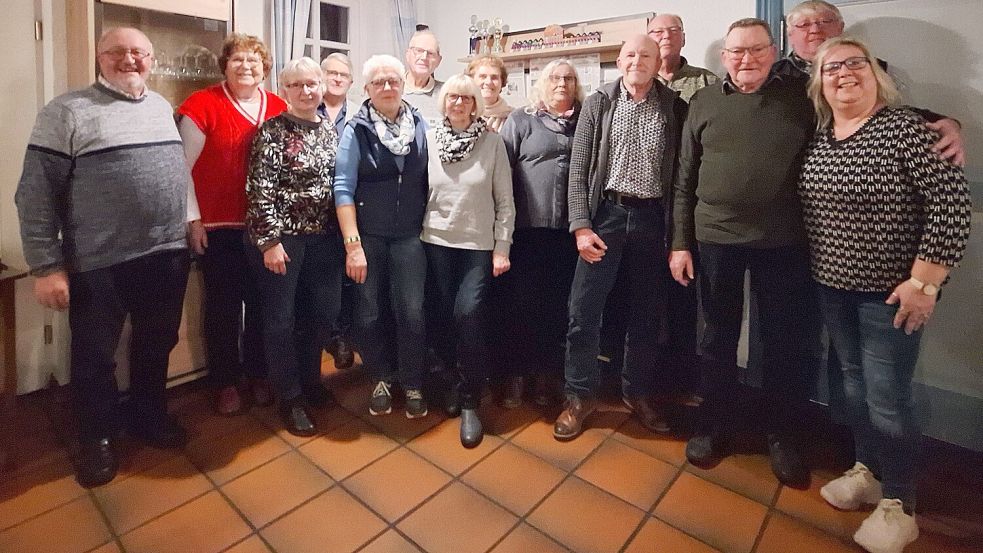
x=342, y=351
x=297, y=420
x=471, y=430
x=165, y=434
x=318, y=396
x=98, y=463
x=452, y=400
x=786, y=462
x=706, y=450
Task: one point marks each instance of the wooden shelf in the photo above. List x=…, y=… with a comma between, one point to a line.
x=560, y=52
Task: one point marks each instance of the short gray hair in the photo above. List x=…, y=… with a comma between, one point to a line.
x=425, y=32
x=381, y=61
x=338, y=56
x=811, y=7
x=540, y=89
x=748, y=22
x=298, y=66
x=465, y=86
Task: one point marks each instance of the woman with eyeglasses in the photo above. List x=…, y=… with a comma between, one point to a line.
x=538, y=141
x=467, y=231
x=298, y=255
x=489, y=73
x=381, y=192
x=887, y=221
x=217, y=126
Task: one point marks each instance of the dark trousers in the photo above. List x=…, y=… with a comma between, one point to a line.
x=389, y=319
x=534, y=300
x=782, y=286
x=150, y=289
x=297, y=307
x=636, y=258
x=462, y=279
x=679, y=347
x=878, y=362
x=230, y=284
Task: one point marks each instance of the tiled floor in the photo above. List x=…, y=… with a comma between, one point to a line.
x=390, y=485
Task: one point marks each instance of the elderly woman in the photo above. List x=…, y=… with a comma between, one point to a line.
x=217, y=127
x=538, y=140
x=298, y=255
x=381, y=190
x=489, y=73
x=887, y=220
x=468, y=232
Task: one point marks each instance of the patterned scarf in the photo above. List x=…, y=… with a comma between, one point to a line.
x=395, y=135
x=457, y=146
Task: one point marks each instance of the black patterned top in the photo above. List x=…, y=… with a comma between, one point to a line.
x=638, y=142
x=878, y=199
x=289, y=182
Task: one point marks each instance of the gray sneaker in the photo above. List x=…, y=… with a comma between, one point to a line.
x=382, y=400
x=416, y=406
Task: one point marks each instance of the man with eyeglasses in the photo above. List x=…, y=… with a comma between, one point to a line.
x=421, y=88
x=102, y=205
x=675, y=72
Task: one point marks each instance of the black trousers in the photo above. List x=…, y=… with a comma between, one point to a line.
x=150, y=289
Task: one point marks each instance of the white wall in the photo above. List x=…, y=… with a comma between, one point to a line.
x=705, y=22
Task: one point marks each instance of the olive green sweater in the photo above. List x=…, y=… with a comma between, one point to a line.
x=739, y=165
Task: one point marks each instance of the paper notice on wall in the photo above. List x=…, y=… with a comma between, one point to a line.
x=588, y=69
x=515, y=91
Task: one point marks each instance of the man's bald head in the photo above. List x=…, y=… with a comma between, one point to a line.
x=639, y=60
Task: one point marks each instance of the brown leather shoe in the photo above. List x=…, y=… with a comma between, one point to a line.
x=228, y=402
x=570, y=423
x=650, y=413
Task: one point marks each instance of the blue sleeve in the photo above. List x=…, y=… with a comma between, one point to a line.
x=346, y=168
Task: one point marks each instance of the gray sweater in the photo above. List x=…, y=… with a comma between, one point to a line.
x=470, y=202
x=104, y=181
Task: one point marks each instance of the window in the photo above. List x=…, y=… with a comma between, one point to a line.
x=329, y=28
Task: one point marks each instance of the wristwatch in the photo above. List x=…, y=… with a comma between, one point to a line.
x=928, y=289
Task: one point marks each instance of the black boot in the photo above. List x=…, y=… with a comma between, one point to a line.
x=296, y=419
x=98, y=463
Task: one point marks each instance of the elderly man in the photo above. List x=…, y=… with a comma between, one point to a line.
x=422, y=89
x=736, y=200
x=809, y=24
x=622, y=165
x=101, y=204
x=675, y=72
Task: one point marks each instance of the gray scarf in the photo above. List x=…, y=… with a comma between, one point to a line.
x=457, y=146
x=395, y=135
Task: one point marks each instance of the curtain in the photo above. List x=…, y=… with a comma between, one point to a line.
x=404, y=23
x=289, y=20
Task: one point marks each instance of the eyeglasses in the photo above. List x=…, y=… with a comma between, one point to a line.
x=417, y=52
x=556, y=79
x=312, y=85
x=246, y=60
x=453, y=98
x=663, y=31
x=854, y=63
x=822, y=23
x=337, y=75
x=393, y=82
x=120, y=53
x=755, y=51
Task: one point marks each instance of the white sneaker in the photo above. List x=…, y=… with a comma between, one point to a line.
x=888, y=529
x=856, y=487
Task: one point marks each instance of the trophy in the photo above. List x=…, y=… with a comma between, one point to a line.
x=473, y=41
x=496, y=31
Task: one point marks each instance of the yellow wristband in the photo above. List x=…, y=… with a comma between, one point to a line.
x=353, y=239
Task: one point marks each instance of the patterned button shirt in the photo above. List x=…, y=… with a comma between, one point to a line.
x=638, y=142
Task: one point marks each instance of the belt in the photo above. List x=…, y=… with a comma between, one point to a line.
x=633, y=201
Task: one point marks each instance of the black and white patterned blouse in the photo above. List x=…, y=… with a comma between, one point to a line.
x=289, y=181
x=879, y=198
x=638, y=142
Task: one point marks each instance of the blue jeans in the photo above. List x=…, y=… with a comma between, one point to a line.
x=296, y=306
x=462, y=279
x=878, y=361
x=636, y=259
x=394, y=283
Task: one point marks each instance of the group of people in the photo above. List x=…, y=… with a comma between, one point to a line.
x=467, y=227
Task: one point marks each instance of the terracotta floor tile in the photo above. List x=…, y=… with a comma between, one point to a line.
x=659, y=536
x=348, y=448
x=526, y=539
x=34, y=451
x=929, y=542
x=35, y=492
x=75, y=527
x=627, y=473
x=505, y=423
x=538, y=439
x=398, y=427
x=715, y=515
x=784, y=534
x=110, y=547
x=390, y=542
x=669, y=448
x=396, y=483
x=748, y=475
x=567, y=512
x=333, y=521
x=252, y=545
x=327, y=419
x=208, y=524
x=199, y=418
x=144, y=496
x=441, y=445
x=236, y=453
x=136, y=457
x=354, y=395
x=458, y=519
x=266, y=493
x=514, y=478
x=810, y=507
